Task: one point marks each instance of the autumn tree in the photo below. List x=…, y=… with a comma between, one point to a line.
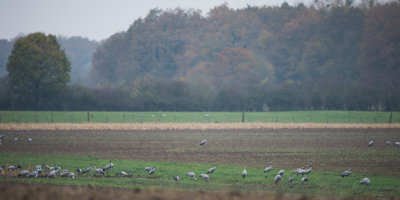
x=38, y=69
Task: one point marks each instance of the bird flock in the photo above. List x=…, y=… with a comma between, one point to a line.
x=52, y=172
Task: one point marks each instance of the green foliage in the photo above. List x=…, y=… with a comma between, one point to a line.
x=38, y=69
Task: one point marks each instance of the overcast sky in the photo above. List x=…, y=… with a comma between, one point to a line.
x=95, y=19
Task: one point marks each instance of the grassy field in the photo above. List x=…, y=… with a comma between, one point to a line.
x=220, y=117
x=225, y=178
x=177, y=152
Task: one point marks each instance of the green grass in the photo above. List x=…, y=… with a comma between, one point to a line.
x=224, y=178
x=186, y=117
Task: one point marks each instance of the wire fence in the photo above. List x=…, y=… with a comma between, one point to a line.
x=199, y=117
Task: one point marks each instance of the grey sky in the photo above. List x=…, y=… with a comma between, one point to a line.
x=94, y=19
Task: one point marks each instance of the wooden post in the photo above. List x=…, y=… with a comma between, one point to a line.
x=35, y=117
x=52, y=117
x=242, y=117
x=88, y=117
x=107, y=119
x=276, y=118
x=390, y=118
x=0, y=118
x=375, y=119
x=72, y=118
x=124, y=118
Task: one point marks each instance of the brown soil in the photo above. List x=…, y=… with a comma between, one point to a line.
x=41, y=192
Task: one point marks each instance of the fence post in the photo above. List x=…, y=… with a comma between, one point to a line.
x=107, y=119
x=88, y=117
x=390, y=118
x=375, y=119
x=124, y=118
x=35, y=117
x=52, y=117
x=242, y=117
x=72, y=118
x=0, y=118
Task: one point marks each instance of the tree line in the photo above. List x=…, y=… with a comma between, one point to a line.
x=327, y=56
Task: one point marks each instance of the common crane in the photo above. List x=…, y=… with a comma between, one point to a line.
x=87, y=170
x=388, y=143
x=291, y=179
x=203, y=142
x=278, y=178
x=204, y=176
x=99, y=170
x=211, y=170
x=152, y=171
x=397, y=144
x=109, y=166
x=13, y=167
x=1, y=137
x=365, y=181
x=51, y=174
x=34, y=174
x=15, y=140
x=29, y=140
x=147, y=169
x=24, y=173
x=268, y=169
x=191, y=174
x=346, y=173
x=123, y=174
x=176, y=178
x=244, y=173
x=72, y=175
x=281, y=172
x=65, y=173
x=304, y=179
x=370, y=143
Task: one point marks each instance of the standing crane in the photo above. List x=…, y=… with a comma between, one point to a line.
x=244, y=173
x=191, y=174
x=176, y=178
x=211, y=170
x=278, y=178
x=268, y=169
x=203, y=142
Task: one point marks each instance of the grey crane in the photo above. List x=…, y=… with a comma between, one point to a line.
x=37, y=167
x=29, y=140
x=306, y=171
x=99, y=170
x=346, y=173
x=268, y=169
x=204, y=176
x=244, y=173
x=203, y=142
x=24, y=173
x=212, y=170
x=147, y=169
x=51, y=174
x=176, y=178
x=109, y=166
x=65, y=173
x=123, y=174
x=34, y=174
x=13, y=167
x=365, y=181
x=277, y=178
x=281, y=172
x=370, y=143
x=397, y=144
x=1, y=137
x=304, y=179
x=388, y=143
x=79, y=170
x=15, y=140
x=72, y=175
x=291, y=179
x=153, y=170
x=191, y=174
x=87, y=170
